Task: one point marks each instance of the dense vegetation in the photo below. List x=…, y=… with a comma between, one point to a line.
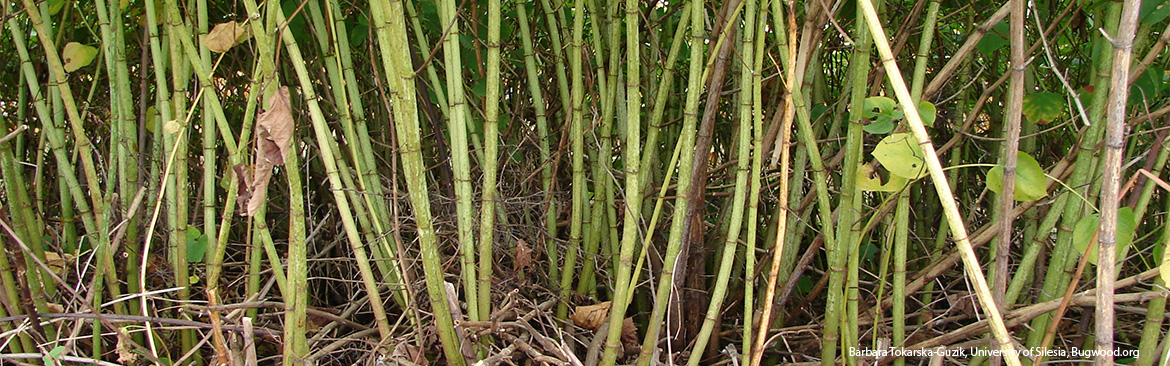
x=582, y=182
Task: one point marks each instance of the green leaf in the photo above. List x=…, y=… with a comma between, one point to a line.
x=1154, y=11
x=882, y=104
x=869, y=180
x=1164, y=268
x=296, y=22
x=480, y=88
x=928, y=112
x=817, y=110
x=880, y=126
x=76, y=56
x=901, y=155
x=804, y=284
x=358, y=28
x=868, y=251
x=151, y=118
x=196, y=245
x=55, y=6
x=1085, y=95
x=1147, y=85
x=882, y=111
x=1031, y=183
x=994, y=39
x=50, y=359
x=1043, y=108
x=1086, y=230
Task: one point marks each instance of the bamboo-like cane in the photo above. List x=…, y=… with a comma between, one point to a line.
x=959, y=231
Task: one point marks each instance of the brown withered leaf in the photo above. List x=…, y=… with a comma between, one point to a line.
x=274, y=131
x=523, y=258
x=274, y=128
x=57, y=263
x=258, y=187
x=225, y=36
x=962, y=302
x=629, y=335
x=244, y=189
x=411, y=354
x=591, y=316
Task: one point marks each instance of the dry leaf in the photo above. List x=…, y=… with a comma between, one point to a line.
x=244, y=190
x=274, y=127
x=56, y=262
x=274, y=131
x=523, y=258
x=592, y=316
x=171, y=127
x=224, y=36
x=126, y=354
x=629, y=335
x=963, y=302
x=54, y=307
x=258, y=187
x=413, y=355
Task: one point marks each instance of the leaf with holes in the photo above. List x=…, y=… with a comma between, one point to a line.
x=868, y=179
x=882, y=112
x=1031, y=183
x=1043, y=108
x=901, y=155
x=1085, y=233
x=77, y=56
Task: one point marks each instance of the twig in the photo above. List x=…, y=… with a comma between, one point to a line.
x=38, y=356
x=15, y=132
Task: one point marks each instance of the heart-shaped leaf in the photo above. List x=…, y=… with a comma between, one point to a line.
x=1043, y=108
x=1086, y=230
x=1031, y=183
x=901, y=155
x=77, y=55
